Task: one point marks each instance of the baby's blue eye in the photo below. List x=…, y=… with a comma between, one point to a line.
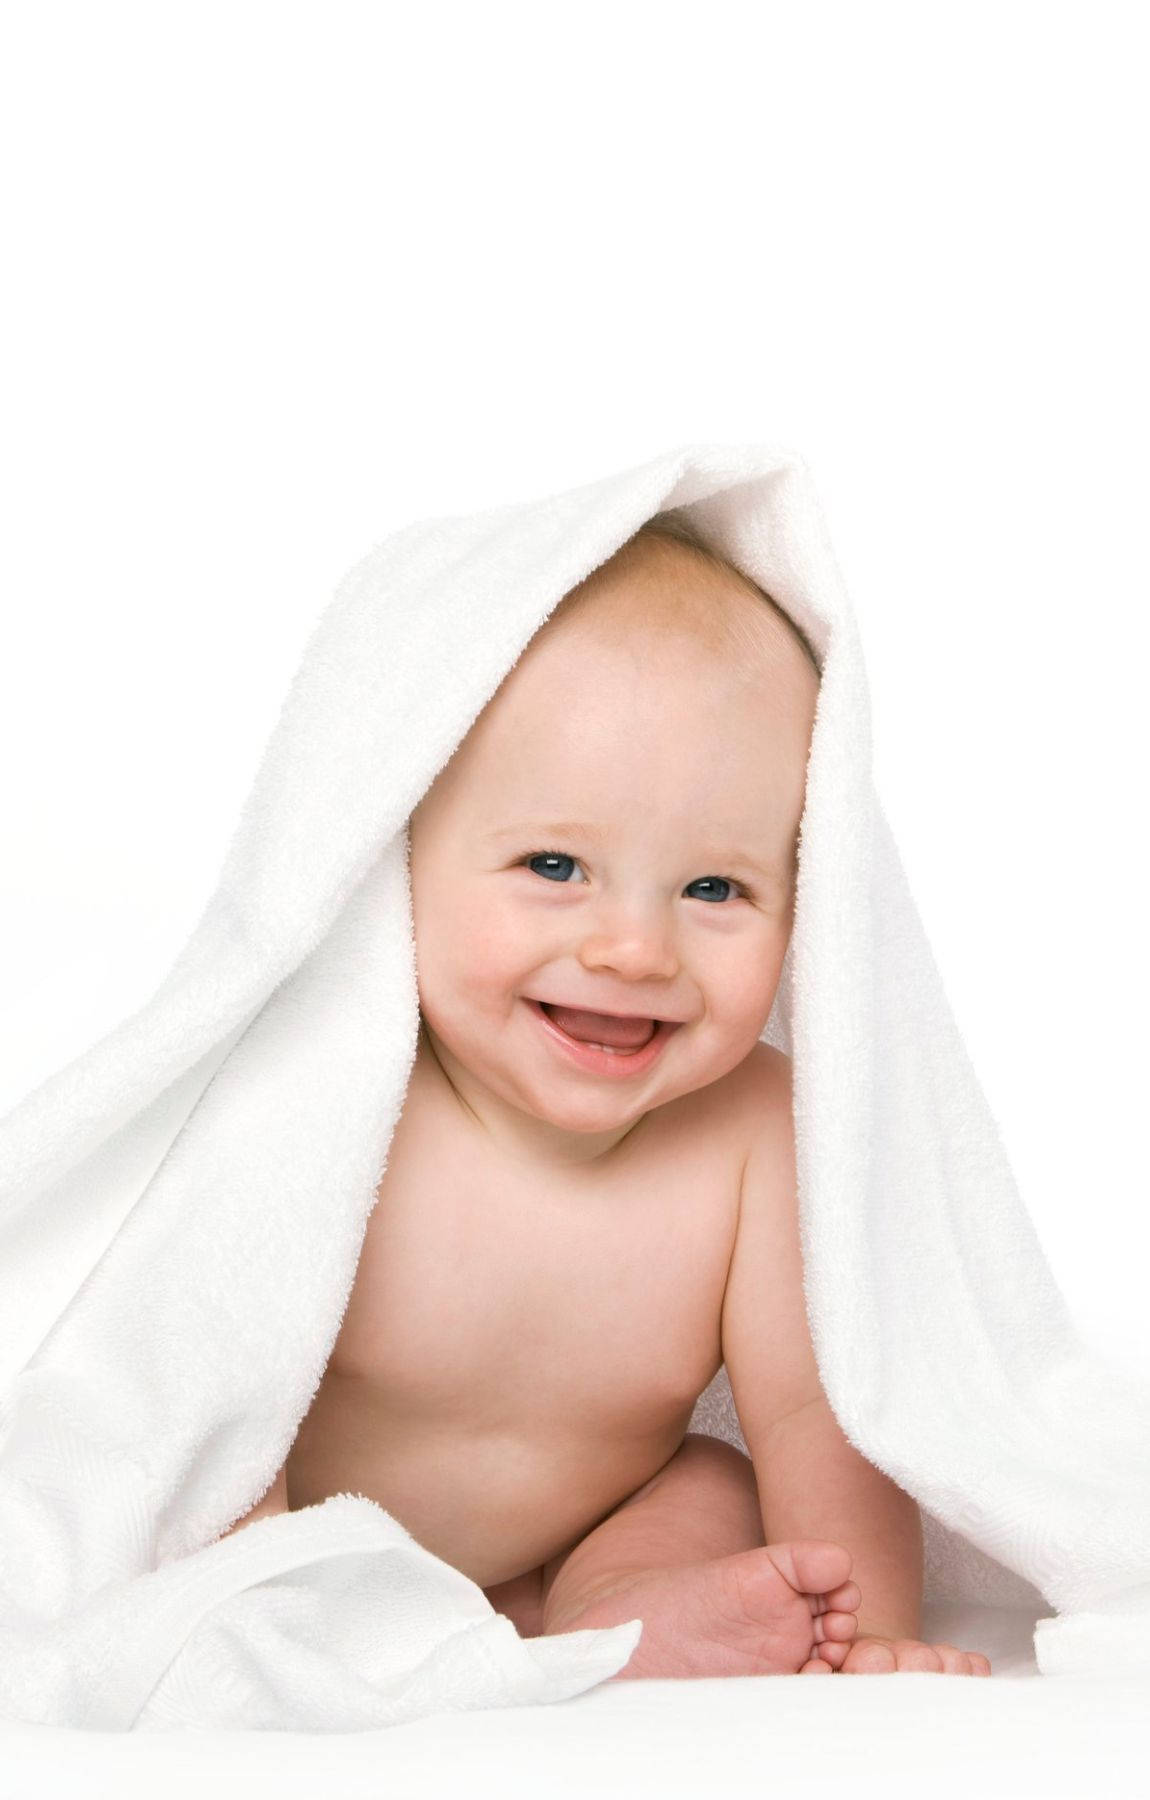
x=554, y=857
x=711, y=880
x=545, y=856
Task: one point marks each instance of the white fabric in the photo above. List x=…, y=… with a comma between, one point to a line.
x=1008, y=1738
x=182, y=1207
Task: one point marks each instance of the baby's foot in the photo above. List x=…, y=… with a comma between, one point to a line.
x=771, y=1611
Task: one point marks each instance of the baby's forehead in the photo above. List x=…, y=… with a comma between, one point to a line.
x=651, y=668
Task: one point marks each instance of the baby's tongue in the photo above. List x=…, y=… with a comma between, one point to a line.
x=601, y=1028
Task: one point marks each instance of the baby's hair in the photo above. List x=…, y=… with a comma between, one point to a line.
x=672, y=533
x=676, y=527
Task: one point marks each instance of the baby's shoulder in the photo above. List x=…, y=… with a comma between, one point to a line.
x=762, y=1098
x=748, y=1108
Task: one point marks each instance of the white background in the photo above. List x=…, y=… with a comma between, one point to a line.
x=283, y=278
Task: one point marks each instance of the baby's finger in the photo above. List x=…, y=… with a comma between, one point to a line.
x=835, y=1654
x=816, y=1666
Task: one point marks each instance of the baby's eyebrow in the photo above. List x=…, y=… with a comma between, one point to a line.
x=540, y=831
x=593, y=833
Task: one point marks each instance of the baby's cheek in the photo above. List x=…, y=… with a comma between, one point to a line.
x=490, y=957
x=742, y=1006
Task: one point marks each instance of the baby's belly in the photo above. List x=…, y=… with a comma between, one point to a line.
x=492, y=1503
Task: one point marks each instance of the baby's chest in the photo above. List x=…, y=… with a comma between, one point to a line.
x=499, y=1307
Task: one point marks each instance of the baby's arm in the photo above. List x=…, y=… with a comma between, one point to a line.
x=812, y=1482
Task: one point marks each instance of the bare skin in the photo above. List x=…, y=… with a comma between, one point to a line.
x=759, y=1612
x=538, y=1299
x=516, y=1468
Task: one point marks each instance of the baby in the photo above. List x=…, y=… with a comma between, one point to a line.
x=589, y=1203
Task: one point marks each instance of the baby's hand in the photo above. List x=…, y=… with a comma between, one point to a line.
x=896, y=1656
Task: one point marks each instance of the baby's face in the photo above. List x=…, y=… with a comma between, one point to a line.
x=617, y=833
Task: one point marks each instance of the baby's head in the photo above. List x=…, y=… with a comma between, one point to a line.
x=618, y=832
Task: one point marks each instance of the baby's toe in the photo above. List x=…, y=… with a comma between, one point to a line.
x=961, y=1662
x=835, y=1625
x=841, y=1599
x=812, y=1565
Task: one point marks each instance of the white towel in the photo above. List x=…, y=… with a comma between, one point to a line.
x=182, y=1207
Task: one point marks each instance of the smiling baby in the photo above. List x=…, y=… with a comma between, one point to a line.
x=589, y=1203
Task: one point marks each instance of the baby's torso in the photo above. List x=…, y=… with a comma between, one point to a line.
x=514, y=1362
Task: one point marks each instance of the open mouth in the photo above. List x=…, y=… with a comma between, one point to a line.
x=641, y=1039
x=619, y=1034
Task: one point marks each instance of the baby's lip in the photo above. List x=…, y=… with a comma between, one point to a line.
x=608, y=1012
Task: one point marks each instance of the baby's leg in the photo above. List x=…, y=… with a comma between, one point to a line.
x=708, y=1506
x=686, y=1553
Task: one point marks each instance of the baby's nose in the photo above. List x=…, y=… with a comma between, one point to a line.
x=638, y=945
